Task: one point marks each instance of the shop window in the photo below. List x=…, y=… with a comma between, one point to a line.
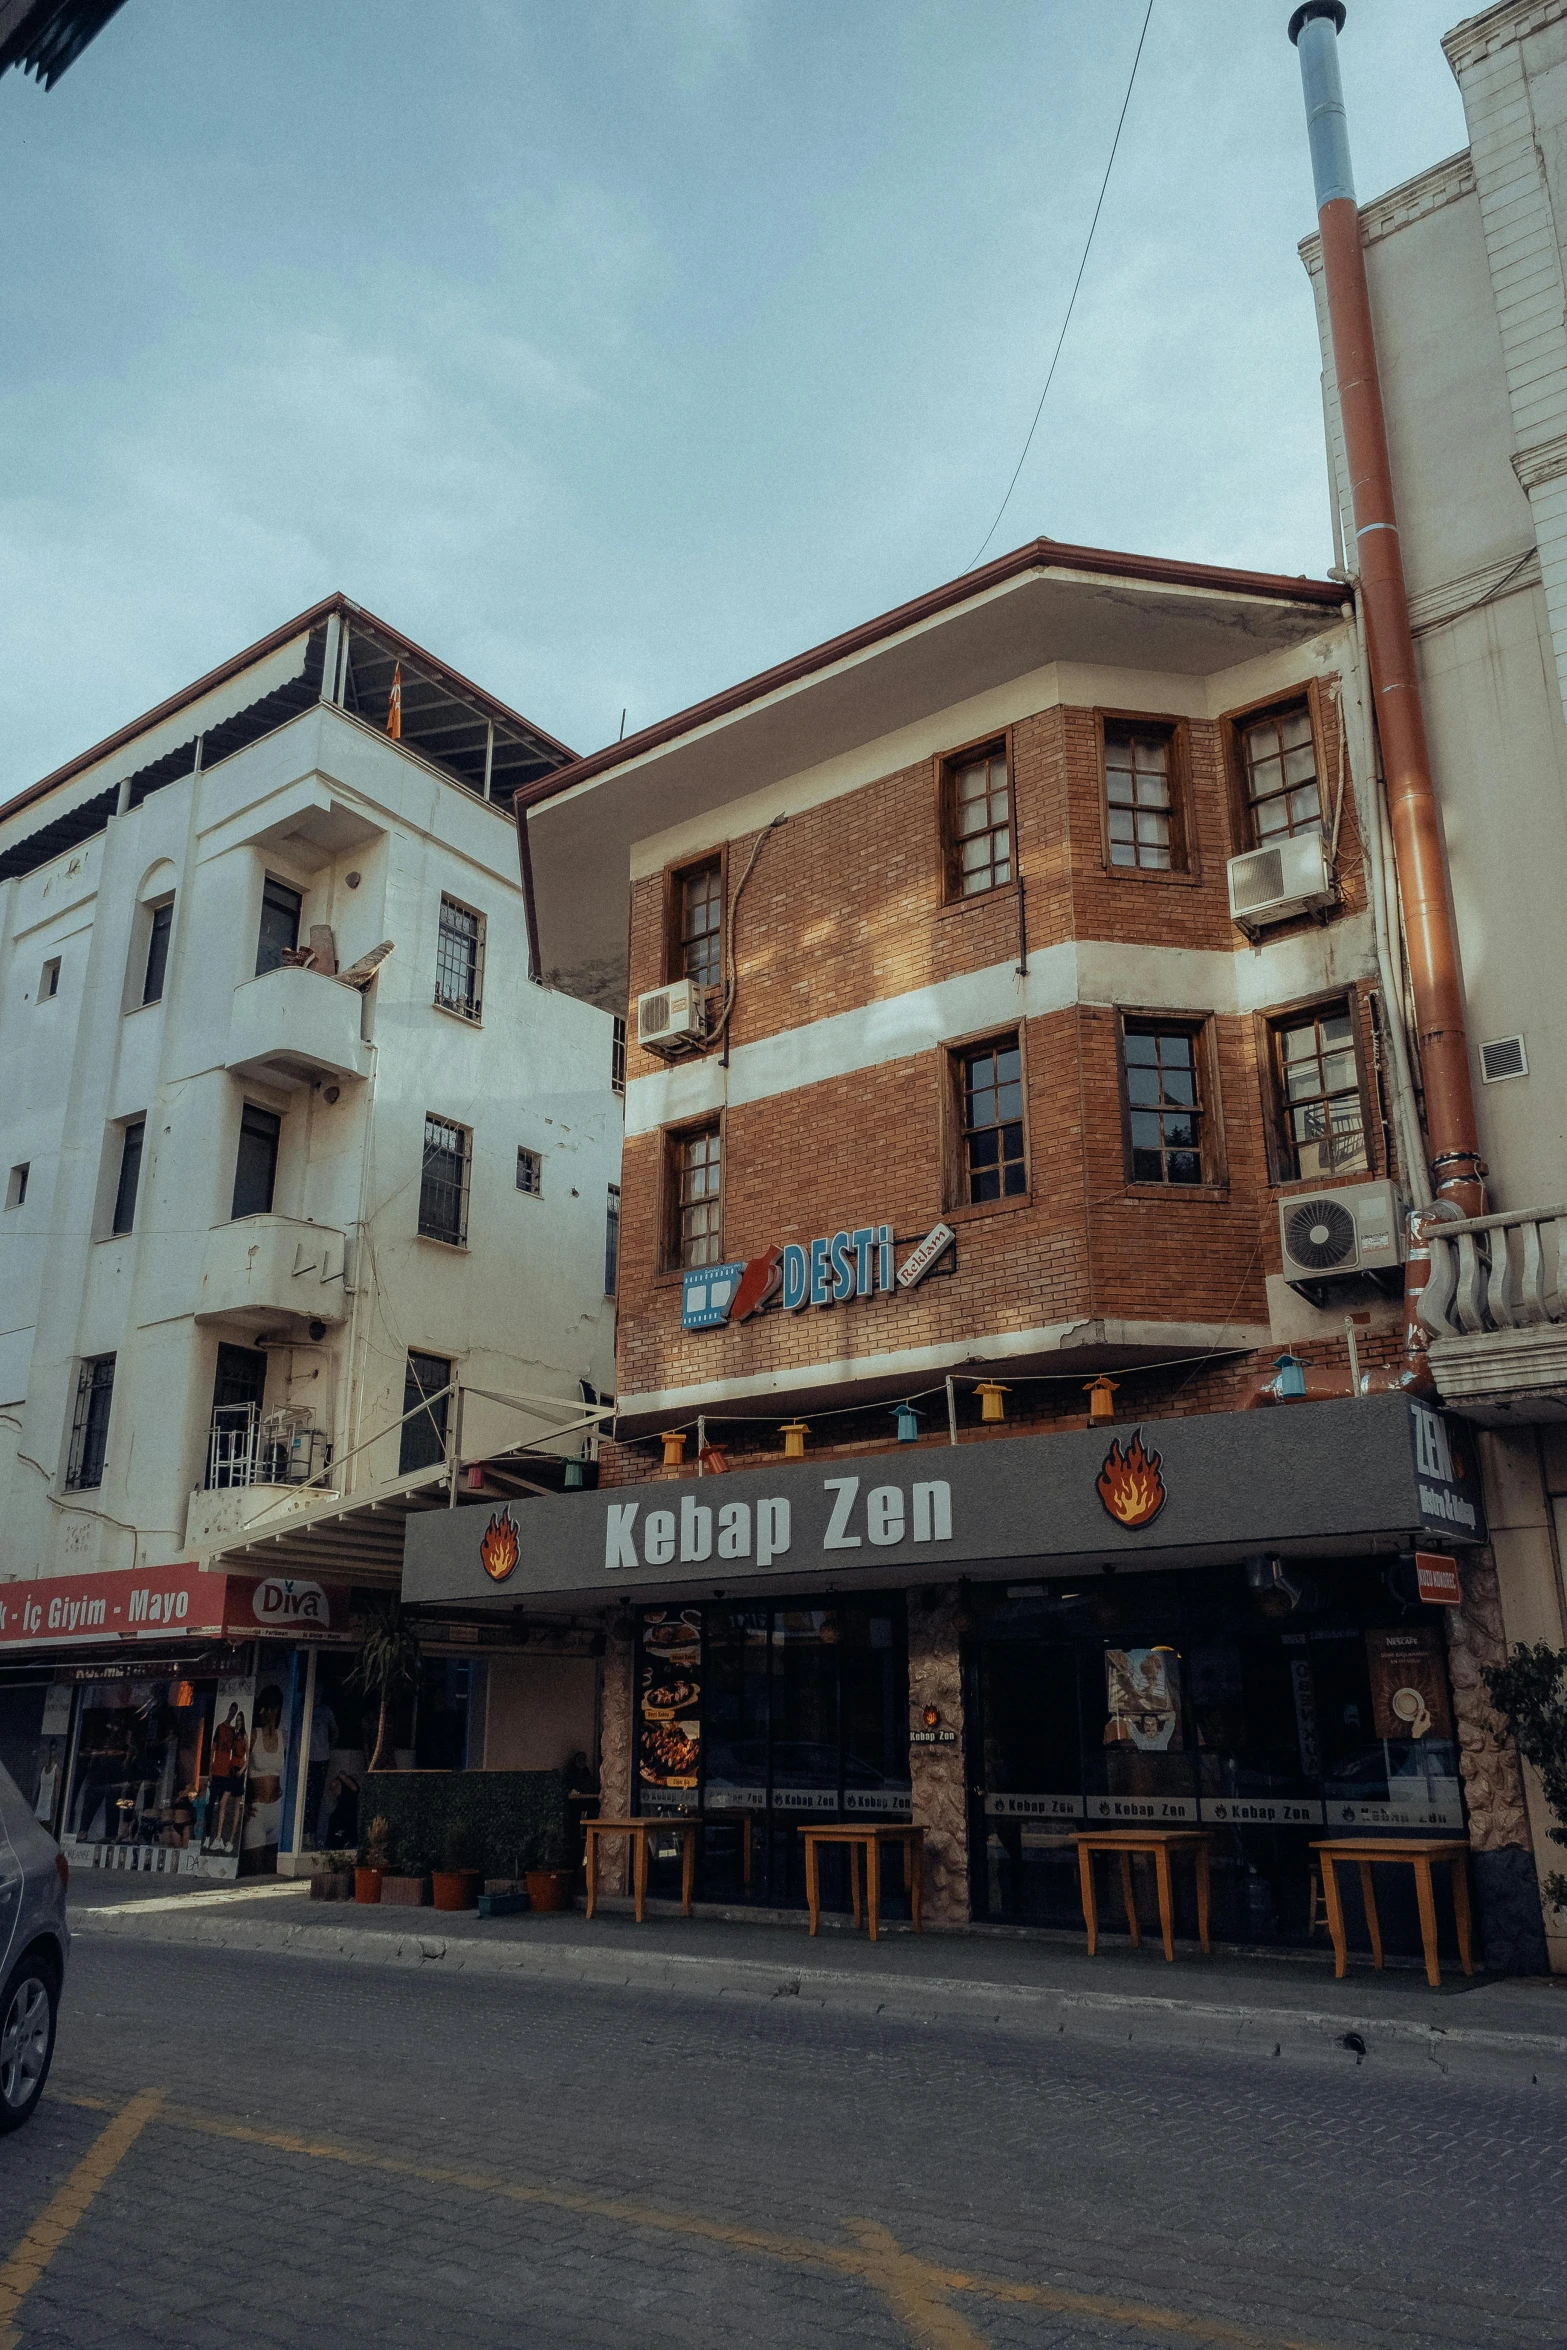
x=130, y=1175
x=1167, y=1077
x=992, y=1157
x=16, y=1184
x=696, y=1196
x=699, y=923
x=145, y=1769
x=1321, y=1119
x=423, y=1441
x=255, y=1168
x=443, y=1182
x=617, y=1055
x=1278, y=757
x=976, y=818
x=160, y=927
x=279, y=934
x=612, y=1241
x=1144, y=796
x=90, y=1426
x=49, y=980
x=459, y=960
x=530, y=1173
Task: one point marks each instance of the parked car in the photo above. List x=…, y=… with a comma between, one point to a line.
x=34, y=1944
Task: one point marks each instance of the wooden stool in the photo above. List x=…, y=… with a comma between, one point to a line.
x=1156, y=1844
x=867, y=1837
x=685, y=1825
x=1418, y=1853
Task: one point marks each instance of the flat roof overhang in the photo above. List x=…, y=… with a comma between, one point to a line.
x=1045, y=603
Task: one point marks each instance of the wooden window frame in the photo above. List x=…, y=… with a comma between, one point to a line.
x=1184, y=866
x=1232, y=725
x=957, y=1206
x=674, y=877
x=947, y=765
x=1280, y=1151
x=671, y=1264
x=1203, y=1028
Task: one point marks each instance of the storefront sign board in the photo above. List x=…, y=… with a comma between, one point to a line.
x=1033, y=1807
x=1437, y=1579
x=1142, y=1811
x=1260, y=1811
x=71, y=1611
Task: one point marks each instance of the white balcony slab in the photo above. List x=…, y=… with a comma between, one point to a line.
x=261, y=1268
x=215, y=1518
x=293, y=1028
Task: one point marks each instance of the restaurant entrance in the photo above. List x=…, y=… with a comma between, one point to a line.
x=772, y=1716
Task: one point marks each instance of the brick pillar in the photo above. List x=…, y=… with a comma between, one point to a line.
x=940, y=1792
x=615, y=1747
x=1512, y=1930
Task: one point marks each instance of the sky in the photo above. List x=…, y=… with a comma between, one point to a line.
x=614, y=351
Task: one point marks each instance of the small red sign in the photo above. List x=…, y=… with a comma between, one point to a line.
x=1437, y=1578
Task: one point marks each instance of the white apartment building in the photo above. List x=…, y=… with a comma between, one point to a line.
x=290, y=1147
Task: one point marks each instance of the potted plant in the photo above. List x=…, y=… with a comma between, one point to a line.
x=455, y=1884
x=407, y=1886
x=548, y=1877
x=388, y=1664
x=334, y=1880
x=374, y=1863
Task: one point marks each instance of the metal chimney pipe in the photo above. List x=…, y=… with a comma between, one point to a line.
x=1457, y=1172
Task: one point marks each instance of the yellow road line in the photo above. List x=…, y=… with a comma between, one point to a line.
x=61, y=2213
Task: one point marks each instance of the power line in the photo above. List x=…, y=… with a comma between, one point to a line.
x=1076, y=283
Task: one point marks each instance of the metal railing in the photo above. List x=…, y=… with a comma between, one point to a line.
x=1498, y=1272
x=243, y=1448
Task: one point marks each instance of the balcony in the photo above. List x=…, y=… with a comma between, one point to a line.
x=266, y=1268
x=297, y=1027
x=1496, y=1319
x=258, y=1467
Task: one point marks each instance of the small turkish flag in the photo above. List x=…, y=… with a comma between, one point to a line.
x=394, y=708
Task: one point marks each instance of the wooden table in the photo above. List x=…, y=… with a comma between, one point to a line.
x=1157, y=1844
x=867, y=1836
x=1419, y=1853
x=685, y=1824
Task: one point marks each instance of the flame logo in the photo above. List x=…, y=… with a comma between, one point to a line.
x=1130, y=1484
x=498, y=1549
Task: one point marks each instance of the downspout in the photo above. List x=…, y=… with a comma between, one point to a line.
x=1457, y=1171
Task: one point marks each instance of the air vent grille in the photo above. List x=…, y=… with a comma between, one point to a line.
x=652, y=1015
x=1320, y=1235
x=1257, y=880
x=1503, y=1057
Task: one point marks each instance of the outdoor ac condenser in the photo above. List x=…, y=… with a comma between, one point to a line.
x=1328, y=1234
x=672, y=1021
x=1288, y=877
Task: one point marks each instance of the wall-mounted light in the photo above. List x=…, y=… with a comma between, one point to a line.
x=332, y=1093
x=933, y=1717
x=1101, y=1399
x=673, y=1441
x=352, y=880
x=990, y=1392
x=794, y=1434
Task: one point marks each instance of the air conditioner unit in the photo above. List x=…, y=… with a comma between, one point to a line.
x=1288, y=877
x=1328, y=1234
x=672, y=1021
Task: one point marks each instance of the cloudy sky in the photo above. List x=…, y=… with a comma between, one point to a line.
x=618, y=349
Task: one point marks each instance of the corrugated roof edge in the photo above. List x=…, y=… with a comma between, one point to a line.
x=1047, y=554
x=269, y=644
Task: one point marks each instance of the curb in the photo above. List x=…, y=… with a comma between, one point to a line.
x=1124, y=2019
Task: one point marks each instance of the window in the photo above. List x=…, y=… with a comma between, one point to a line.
x=697, y=1193
x=90, y=1428
x=157, y=952
x=130, y=1175
x=1324, y=1129
x=977, y=819
x=1164, y=1104
x=423, y=1442
x=1279, y=765
x=699, y=895
x=280, y=910
x=617, y=1056
x=612, y=1241
x=16, y=1184
x=459, y=960
x=992, y=1110
x=1142, y=798
x=49, y=980
x=255, y=1171
x=443, y=1185
x=530, y=1173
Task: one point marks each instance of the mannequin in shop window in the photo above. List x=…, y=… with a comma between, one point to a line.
x=264, y=1809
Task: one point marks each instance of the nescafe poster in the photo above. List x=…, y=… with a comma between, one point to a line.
x=1408, y=1685
x=669, y=1727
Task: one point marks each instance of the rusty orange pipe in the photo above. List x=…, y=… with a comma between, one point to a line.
x=1452, y=1135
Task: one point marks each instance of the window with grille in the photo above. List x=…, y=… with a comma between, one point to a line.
x=1164, y=1103
x=977, y=819
x=612, y=1241
x=1142, y=813
x=1319, y=1093
x=130, y=1175
x=459, y=960
x=279, y=932
x=255, y=1166
x=530, y=1172
x=90, y=1427
x=992, y=1112
x=423, y=1441
x=158, y=934
x=697, y=1193
x=1279, y=757
x=443, y=1182
x=700, y=907
x=617, y=1056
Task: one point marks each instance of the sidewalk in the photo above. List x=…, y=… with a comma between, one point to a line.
x=1041, y=1984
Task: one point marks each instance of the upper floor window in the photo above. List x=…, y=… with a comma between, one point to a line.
x=530, y=1172
x=90, y=1426
x=1143, y=828
x=130, y=1175
x=617, y=1056
x=1279, y=768
x=697, y=1196
x=159, y=929
x=612, y=1241
x=1318, y=1079
x=49, y=980
x=423, y=1441
x=443, y=1182
x=1165, y=1107
x=16, y=1184
x=977, y=822
x=279, y=936
x=994, y=1163
x=459, y=960
x=255, y=1169
x=699, y=907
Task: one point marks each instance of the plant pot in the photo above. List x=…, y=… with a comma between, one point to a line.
x=405, y=1892
x=502, y=1905
x=549, y=1888
x=367, y=1884
x=456, y=1888
x=333, y=1885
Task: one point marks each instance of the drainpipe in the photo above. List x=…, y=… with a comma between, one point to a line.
x=1457, y=1171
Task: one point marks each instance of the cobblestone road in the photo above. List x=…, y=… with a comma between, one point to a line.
x=343, y=2158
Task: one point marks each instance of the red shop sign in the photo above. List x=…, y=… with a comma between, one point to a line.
x=1437, y=1579
x=126, y=1604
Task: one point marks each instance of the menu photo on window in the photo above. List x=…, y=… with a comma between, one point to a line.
x=1143, y=1696
x=669, y=1736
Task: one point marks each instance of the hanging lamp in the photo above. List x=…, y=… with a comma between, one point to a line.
x=990, y=1392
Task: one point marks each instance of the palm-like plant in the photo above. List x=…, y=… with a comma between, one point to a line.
x=388, y=1664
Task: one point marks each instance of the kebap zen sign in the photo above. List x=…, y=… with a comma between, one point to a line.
x=831, y=1270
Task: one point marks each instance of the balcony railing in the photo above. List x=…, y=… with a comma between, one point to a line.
x=243, y=1448
x=1496, y=1318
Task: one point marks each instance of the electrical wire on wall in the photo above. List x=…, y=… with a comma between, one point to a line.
x=1076, y=283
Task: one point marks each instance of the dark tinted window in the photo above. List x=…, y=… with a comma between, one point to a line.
x=424, y=1436
x=280, y=907
x=157, y=953
x=90, y=1429
x=255, y=1172
x=612, y=1242
x=443, y=1183
x=130, y=1175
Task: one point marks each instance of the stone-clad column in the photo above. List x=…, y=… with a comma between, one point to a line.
x=1512, y=1931
x=615, y=1746
x=940, y=1795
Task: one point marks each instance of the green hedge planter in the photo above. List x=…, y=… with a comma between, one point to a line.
x=513, y=1820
